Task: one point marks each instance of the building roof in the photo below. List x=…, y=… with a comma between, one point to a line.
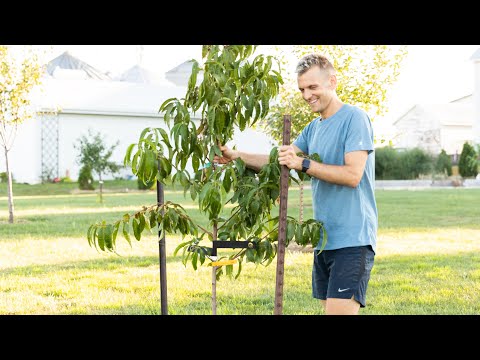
x=451, y=114
x=103, y=97
x=67, y=61
x=180, y=74
x=139, y=74
x=465, y=98
x=476, y=55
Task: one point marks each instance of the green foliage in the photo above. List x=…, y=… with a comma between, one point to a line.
x=4, y=177
x=443, y=164
x=236, y=91
x=468, y=162
x=391, y=164
x=142, y=186
x=85, y=178
x=365, y=75
x=385, y=163
x=94, y=153
x=413, y=163
x=66, y=179
x=18, y=77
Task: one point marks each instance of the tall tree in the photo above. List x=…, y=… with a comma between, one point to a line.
x=18, y=77
x=365, y=73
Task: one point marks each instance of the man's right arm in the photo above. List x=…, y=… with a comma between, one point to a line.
x=252, y=161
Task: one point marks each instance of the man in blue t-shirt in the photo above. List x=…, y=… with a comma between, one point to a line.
x=343, y=186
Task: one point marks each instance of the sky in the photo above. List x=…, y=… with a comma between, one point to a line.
x=430, y=73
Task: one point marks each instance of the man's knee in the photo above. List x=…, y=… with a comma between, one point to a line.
x=335, y=306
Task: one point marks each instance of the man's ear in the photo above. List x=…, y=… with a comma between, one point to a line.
x=333, y=81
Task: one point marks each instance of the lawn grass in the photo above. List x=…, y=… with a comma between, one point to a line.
x=427, y=260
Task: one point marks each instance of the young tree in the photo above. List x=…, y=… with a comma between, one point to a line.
x=235, y=92
x=95, y=155
x=17, y=79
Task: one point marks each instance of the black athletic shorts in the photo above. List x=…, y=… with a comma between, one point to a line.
x=342, y=273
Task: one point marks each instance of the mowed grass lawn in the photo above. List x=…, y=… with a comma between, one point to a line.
x=428, y=258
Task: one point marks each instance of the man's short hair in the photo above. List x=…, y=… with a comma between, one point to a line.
x=311, y=60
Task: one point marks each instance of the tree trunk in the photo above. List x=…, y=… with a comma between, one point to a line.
x=100, y=182
x=10, y=189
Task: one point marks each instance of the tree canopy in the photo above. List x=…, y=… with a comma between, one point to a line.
x=365, y=75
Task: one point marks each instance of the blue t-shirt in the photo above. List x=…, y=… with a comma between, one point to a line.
x=349, y=214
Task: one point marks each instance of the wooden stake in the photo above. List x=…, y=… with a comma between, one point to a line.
x=282, y=222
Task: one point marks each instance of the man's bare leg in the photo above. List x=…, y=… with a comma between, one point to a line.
x=334, y=306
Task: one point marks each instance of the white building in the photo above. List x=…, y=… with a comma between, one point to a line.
x=76, y=97
x=434, y=127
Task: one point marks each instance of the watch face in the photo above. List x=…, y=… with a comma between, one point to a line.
x=305, y=165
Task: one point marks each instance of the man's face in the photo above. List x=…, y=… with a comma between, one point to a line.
x=317, y=87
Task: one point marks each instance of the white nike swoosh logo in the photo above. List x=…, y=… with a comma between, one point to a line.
x=342, y=290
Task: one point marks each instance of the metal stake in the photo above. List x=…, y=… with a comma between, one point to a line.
x=162, y=255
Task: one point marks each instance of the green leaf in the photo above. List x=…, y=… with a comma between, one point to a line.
x=250, y=253
x=153, y=219
x=219, y=121
x=227, y=182
x=128, y=155
x=136, y=229
x=299, y=235
x=239, y=268
x=181, y=246
x=141, y=222
x=108, y=237
x=194, y=260
x=193, y=77
x=89, y=234
x=290, y=231
x=126, y=231
x=115, y=232
x=195, y=163
x=229, y=270
x=102, y=233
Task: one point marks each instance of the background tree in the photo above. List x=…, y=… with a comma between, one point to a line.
x=365, y=74
x=468, y=163
x=443, y=164
x=235, y=92
x=95, y=156
x=18, y=77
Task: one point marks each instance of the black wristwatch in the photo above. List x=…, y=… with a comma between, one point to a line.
x=305, y=165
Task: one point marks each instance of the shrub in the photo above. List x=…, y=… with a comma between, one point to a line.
x=412, y=163
x=391, y=164
x=443, y=164
x=385, y=163
x=85, y=178
x=468, y=164
x=3, y=177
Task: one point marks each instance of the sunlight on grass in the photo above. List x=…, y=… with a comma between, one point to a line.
x=428, y=261
x=437, y=241
x=85, y=210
